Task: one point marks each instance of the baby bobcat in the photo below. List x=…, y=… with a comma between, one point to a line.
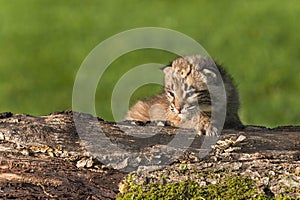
x=190, y=85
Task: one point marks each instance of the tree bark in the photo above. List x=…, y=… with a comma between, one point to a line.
x=53, y=157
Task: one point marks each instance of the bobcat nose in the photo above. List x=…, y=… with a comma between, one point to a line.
x=178, y=108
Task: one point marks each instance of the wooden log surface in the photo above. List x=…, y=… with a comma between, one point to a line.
x=45, y=157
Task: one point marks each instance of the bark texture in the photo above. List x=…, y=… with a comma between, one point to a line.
x=51, y=157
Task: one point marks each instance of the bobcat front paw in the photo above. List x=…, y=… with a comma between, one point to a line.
x=206, y=127
x=209, y=131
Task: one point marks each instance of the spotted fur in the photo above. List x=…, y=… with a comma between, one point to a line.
x=191, y=83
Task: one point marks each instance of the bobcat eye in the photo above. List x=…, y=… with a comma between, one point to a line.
x=172, y=107
x=171, y=94
x=189, y=94
x=191, y=107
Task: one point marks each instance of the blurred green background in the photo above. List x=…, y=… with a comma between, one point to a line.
x=43, y=43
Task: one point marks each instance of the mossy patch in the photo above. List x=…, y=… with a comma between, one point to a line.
x=228, y=188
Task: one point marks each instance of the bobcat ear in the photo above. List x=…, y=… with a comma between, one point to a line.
x=210, y=76
x=168, y=74
x=209, y=73
x=166, y=69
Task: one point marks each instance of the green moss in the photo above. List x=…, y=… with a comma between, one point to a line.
x=228, y=188
x=281, y=197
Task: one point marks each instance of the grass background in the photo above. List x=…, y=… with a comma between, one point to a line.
x=43, y=43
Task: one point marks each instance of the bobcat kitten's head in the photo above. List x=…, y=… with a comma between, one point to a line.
x=186, y=81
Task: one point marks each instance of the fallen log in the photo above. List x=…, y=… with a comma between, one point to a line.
x=63, y=156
